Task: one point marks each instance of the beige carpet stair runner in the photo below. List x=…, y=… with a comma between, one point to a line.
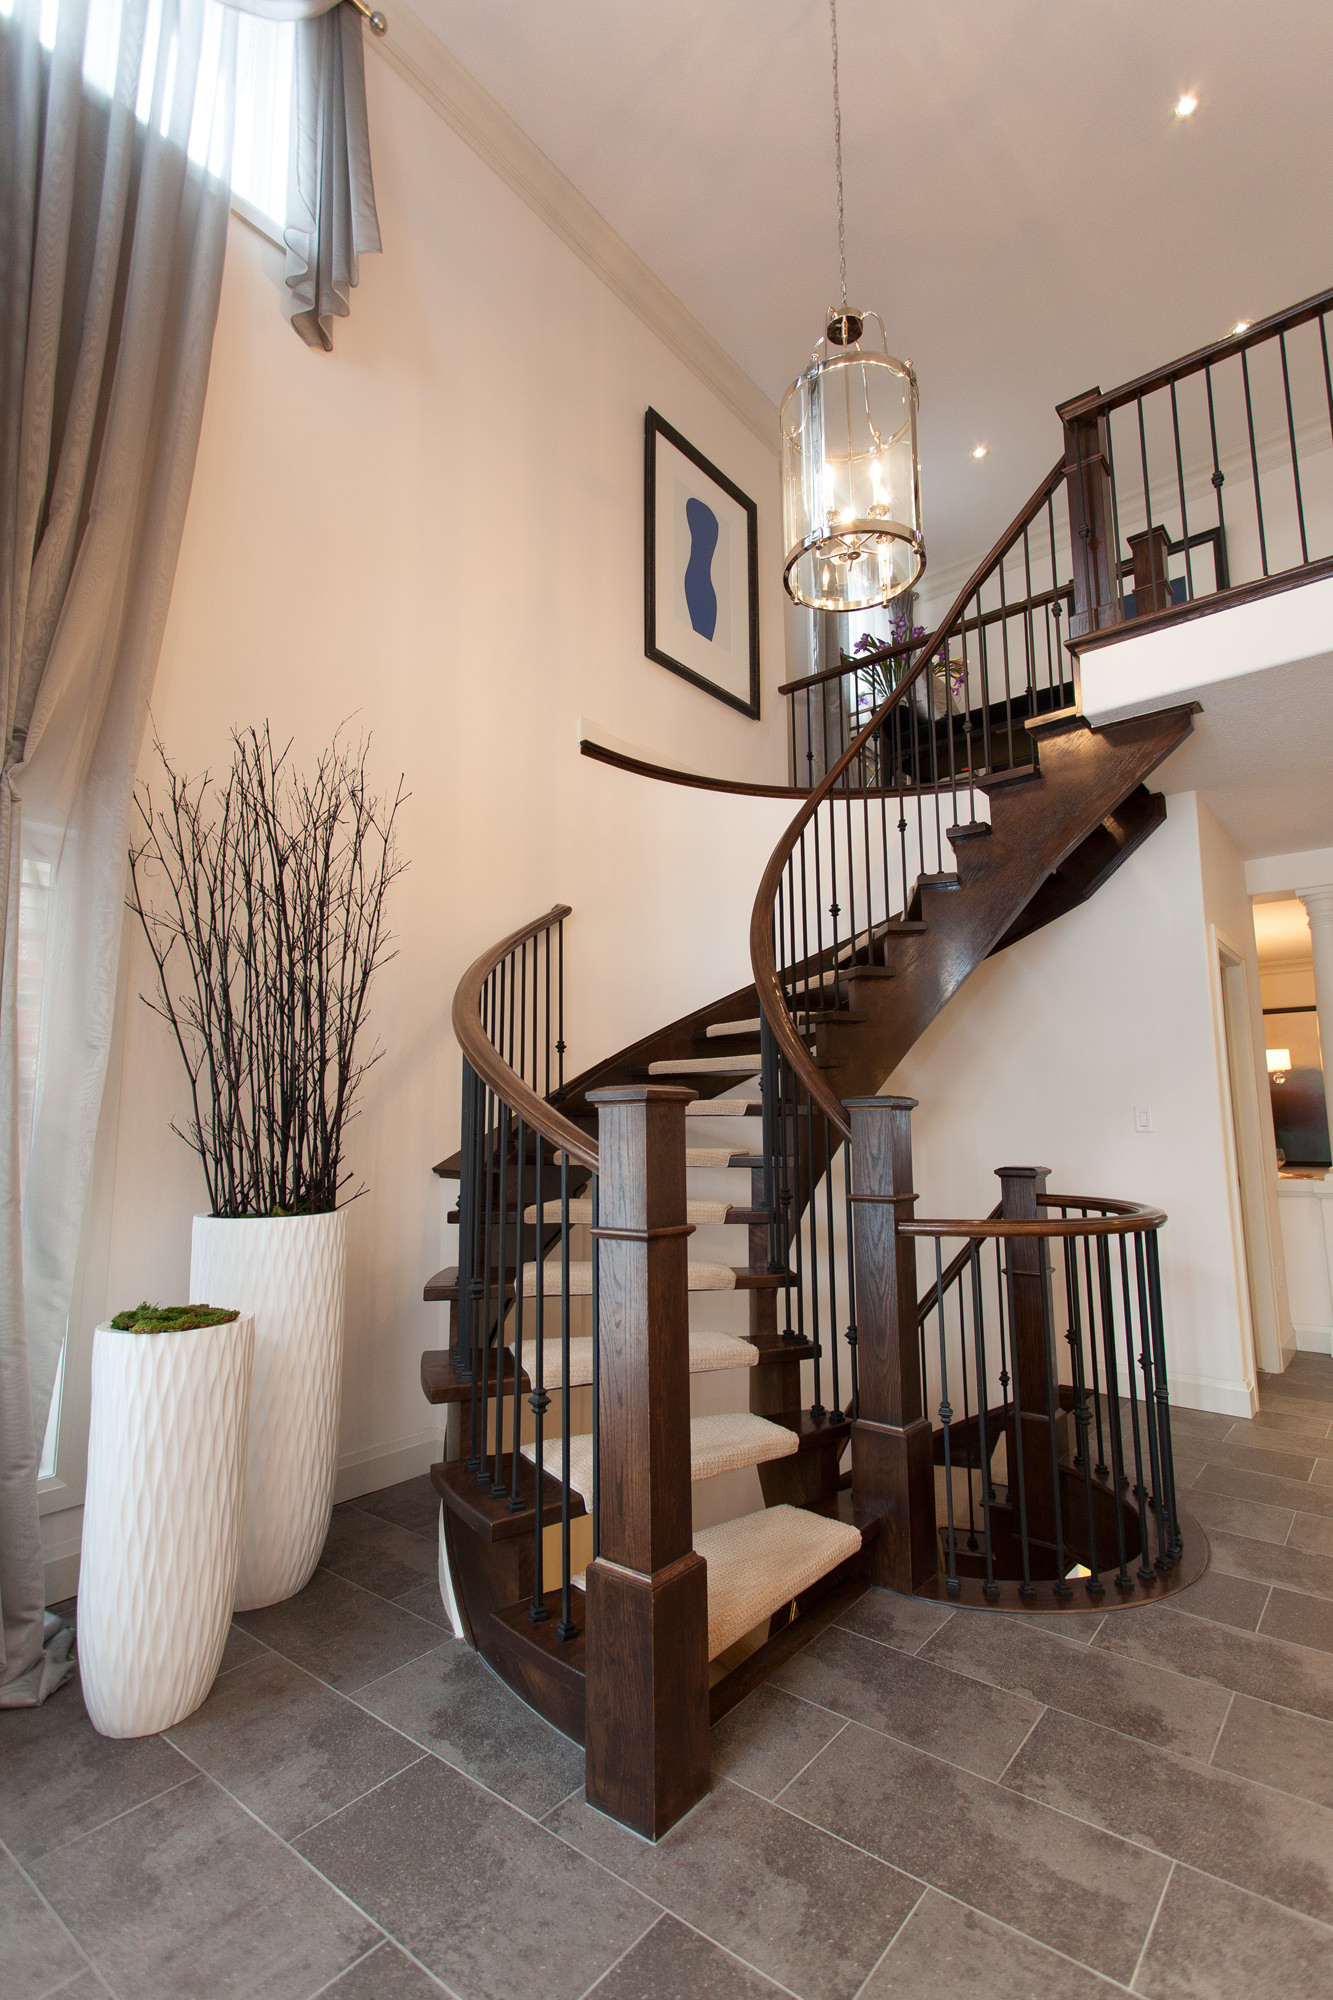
x=580, y=1210
x=727, y=1443
x=702, y=1278
x=710, y=1065
x=709, y=1354
x=759, y=1562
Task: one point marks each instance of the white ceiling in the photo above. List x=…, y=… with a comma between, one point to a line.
x=1023, y=207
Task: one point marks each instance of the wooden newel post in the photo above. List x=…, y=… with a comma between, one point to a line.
x=646, y=1647
x=1097, y=600
x=1041, y=1427
x=893, y=1471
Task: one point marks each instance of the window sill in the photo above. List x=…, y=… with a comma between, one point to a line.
x=264, y=224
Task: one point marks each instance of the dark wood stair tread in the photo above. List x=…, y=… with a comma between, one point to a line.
x=488, y=1514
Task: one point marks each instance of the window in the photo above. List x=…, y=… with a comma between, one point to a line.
x=263, y=93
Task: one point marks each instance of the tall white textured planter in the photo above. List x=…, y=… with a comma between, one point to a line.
x=162, y=1520
x=288, y=1271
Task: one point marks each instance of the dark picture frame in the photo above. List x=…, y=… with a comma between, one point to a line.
x=720, y=629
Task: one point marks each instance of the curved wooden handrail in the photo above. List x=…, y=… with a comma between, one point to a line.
x=491, y=1066
x=1096, y=403
x=763, y=951
x=851, y=662
x=1117, y=1218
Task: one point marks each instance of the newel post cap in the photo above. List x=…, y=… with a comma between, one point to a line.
x=643, y=1093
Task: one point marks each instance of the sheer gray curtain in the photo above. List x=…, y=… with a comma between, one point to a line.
x=111, y=251
x=331, y=218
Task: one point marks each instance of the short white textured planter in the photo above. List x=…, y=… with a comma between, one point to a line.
x=288, y=1271
x=161, y=1520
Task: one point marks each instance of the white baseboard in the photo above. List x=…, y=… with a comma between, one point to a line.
x=386, y=1464
x=1204, y=1392
x=1313, y=1339
x=61, y=1576
x=358, y=1472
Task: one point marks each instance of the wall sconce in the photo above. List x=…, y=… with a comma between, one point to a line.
x=1279, y=1062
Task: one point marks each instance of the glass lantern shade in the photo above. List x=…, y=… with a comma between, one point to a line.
x=850, y=488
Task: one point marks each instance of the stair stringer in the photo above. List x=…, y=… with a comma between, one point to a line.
x=1082, y=776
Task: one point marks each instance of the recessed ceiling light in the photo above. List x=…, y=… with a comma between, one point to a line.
x=980, y=450
x=1242, y=326
x=1186, y=105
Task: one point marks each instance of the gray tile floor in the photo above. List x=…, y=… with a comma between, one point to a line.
x=921, y=1803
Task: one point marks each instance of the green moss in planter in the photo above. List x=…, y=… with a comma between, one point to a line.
x=172, y=1319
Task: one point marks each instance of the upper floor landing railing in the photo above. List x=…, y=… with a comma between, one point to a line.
x=1201, y=484
x=1206, y=480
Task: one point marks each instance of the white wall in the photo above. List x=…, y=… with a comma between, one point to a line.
x=436, y=532
x=1043, y=1056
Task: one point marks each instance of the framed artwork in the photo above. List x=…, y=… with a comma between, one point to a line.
x=701, y=570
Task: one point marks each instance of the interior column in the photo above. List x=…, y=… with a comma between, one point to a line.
x=1319, y=909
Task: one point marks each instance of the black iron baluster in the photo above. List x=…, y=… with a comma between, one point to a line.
x=1291, y=436
x=808, y=1214
x=1218, y=481
x=946, y=1418
x=538, y=1402
x=487, y=1323
x=851, y=1279
x=957, y=1287
x=1153, y=1499
x=1184, y=511
x=1030, y=651
x=805, y=925
x=990, y=1588
x=1132, y=1385
x=1167, y=1497
x=596, y=1374
x=1328, y=376
x=1061, y=1587
x=1004, y=1280
x=506, y=1131
x=1100, y=1466
x=515, y=1501
x=788, y=1163
x=462, y=1349
x=838, y=1415
x=1123, y=1579
x=567, y=1629
x=1254, y=459
x=521, y=980
x=1082, y=1419
x=851, y=884
x=834, y=909
x=1147, y=492
x=560, y=993
x=1116, y=577
x=819, y=900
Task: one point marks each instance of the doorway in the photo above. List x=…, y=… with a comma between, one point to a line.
x=1251, y=1146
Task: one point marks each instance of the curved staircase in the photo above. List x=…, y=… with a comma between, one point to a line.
x=972, y=806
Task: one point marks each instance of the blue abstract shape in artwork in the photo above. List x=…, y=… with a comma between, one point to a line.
x=700, y=596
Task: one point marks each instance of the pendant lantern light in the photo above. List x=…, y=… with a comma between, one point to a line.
x=851, y=488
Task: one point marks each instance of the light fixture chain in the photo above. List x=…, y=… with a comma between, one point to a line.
x=837, y=149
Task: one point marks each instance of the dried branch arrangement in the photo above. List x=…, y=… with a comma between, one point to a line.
x=263, y=901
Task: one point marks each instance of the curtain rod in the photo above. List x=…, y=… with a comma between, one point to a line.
x=378, y=24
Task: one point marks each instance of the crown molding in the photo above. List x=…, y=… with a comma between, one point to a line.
x=422, y=60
